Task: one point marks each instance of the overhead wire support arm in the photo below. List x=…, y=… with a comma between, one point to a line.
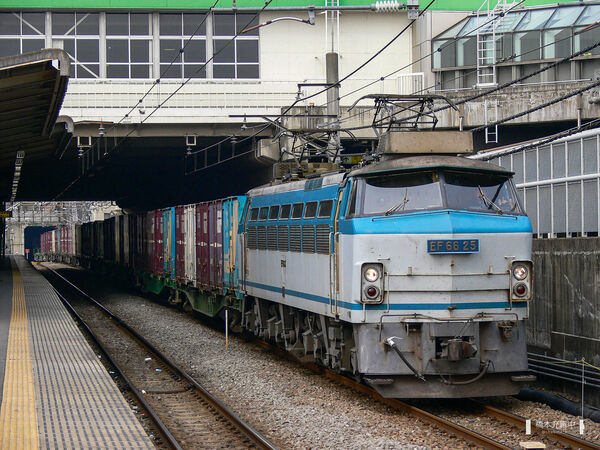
x=389, y=106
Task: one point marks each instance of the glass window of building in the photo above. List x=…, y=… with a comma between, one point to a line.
x=563, y=17
x=128, y=46
x=182, y=45
x=587, y=36
x=21, y=33
x=78, y=34
x=119, y=44
x=34, y=24
x=534, y=20
x=238, y=58
x=523, y=37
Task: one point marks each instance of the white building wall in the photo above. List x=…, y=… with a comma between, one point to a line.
x=296, y=51
x=289, y=52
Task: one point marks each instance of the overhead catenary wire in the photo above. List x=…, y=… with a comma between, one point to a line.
x=165, y=71
x=476, y=96
x=505, y=85
x=361, y=66
x=108, y=154
x=542, y=106
x=464, y=75
x=495, y=153
x=448, y=43
x=327, y=88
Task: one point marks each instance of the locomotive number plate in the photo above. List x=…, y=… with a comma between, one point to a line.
x=446, y=246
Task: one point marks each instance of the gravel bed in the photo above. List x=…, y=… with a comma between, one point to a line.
x=287, y=403
x=548, y=417
x=290, y=405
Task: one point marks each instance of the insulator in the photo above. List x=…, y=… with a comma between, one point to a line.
x=387, y=6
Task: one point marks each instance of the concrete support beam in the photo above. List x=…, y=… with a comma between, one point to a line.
x=514, y=100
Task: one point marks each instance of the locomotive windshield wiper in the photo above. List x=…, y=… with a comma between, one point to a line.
x=400, y=205
x=488, y=202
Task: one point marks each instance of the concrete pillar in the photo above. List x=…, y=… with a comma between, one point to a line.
x=15, y=238
x=209, y=45
x=102, y=36
x=333, y=95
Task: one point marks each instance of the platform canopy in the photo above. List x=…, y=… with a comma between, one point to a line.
x=32, y=135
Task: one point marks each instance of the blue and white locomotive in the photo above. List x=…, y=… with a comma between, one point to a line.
x=413, y=273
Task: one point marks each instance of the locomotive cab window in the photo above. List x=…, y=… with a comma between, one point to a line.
x=273, y=212
x=254, y=214
x=264, y=212
x=311, y=210
x=325, y=209
x=397, y=193
x=481, y=192
x=297, y=210
x=285, y=212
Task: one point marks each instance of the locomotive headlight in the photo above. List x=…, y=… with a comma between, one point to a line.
x=371, y=274
x=520, y=272
x=521, y=281
x=372, y=285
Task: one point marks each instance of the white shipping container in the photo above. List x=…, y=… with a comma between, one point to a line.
x=189, y=236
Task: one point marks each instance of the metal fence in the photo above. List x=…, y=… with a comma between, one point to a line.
x=559, y=183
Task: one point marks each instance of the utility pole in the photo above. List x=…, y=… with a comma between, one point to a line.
x=332, y=36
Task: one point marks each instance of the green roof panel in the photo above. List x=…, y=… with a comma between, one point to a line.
x=440, y=5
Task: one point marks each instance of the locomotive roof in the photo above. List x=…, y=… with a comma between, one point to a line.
x=387, y=165
x=430, y=162
x=278, y=187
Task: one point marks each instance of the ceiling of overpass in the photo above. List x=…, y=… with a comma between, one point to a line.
x=143, y=172
x=149, y=172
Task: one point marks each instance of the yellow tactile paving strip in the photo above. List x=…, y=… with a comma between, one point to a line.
x=18, y=416
x=77, y=404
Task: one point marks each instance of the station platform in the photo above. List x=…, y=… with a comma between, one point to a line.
x=54, y=392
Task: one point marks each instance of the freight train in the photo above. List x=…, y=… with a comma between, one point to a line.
x=412, y=273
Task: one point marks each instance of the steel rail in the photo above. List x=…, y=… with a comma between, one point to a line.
x=457, y=430
x=246, y=429
x=474, y=437
x=137, y=394
x=566, y=439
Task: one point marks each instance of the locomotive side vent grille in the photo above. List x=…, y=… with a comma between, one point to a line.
x=272, y=237
x=308, y=238
x=252, y=238
x=283, y=238
x=262, y=238
x=295, y=238
x=323, y=239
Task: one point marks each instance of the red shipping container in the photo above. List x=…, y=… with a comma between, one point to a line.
x=215, y=230
x=148, y=233
x=179, y=245
x=202, y=257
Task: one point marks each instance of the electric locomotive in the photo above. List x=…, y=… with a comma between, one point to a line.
x=413, y=273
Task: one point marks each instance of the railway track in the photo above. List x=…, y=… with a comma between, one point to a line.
x=510, y=427
x=187, y=415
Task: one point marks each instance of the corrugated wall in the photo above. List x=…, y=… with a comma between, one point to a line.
x=565, y=314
